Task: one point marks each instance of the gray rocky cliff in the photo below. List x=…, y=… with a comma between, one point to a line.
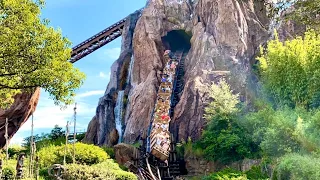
x=224, y=37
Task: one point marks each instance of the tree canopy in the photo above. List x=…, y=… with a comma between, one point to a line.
x=305, y=12
x=32, y=54
x=290, y=70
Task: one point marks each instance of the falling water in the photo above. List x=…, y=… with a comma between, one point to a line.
x=118, y=114
x=130, y=69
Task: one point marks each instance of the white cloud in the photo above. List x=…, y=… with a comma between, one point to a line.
x=112, y=52
x=16, y=140
x=48, y=115
x=90, y=93
x=105, y=76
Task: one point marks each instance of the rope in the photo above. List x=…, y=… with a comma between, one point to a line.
x=74, y=132
x=3, y=126
x=32, y=149
x=65, y=148
x=6, y=136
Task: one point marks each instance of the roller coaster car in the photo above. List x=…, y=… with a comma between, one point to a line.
x=160, y=148
x=159, y=153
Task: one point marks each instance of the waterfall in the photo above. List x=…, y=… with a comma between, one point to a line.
x=130, y=69
x=118, y=114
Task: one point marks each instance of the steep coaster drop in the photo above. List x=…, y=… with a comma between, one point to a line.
x=157, y=158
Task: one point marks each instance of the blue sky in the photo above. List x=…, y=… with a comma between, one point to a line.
x=79, y=20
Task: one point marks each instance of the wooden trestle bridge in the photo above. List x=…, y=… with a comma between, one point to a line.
x=157, y=157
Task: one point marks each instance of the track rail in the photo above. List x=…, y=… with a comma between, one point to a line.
x=98, y=40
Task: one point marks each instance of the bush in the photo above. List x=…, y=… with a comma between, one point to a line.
x=104, y=170
x=290, y=70
x=224, y=101
x=256, y=173
x=15, y=150
x=224, y=140
x=85, y=154
x=226, y=174
x=44, y=173
x=48, y=156
x=295, y=166
x=109, y=151
x=284, y=131
x=8, y=173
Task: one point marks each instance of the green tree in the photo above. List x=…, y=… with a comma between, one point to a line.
x=56, y=133
x=296, y=166
x=305, y=12
x=224, y=101
x=224, y=139
x=290, y=70
x=33, y=55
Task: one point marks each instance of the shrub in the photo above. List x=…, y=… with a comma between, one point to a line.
x=48, y=156
x=44, y=173
x=283, y=131
x=256, y=173
x=15, y=150
x=105, y=170
x=290, y=70
x=224, y=101
x=226, y=174
x=224, y=140
x=295, y=166
x=191, y=149
x=109, y=151
x=8, y=173
x=85, y=154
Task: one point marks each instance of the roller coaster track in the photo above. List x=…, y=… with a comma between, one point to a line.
x=150, y=168
x=97, y=41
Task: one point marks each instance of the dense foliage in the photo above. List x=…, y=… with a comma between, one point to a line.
x=33, y=55
x=55, y=137
x=305, y=11
x=85, y=154
x=282, y=129
x=104, y=170
x=290, y=70
x=223, y=139
x=295, y=166
x=255, y=173
x=224, y=101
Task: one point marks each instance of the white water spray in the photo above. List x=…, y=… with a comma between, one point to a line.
x=118, y=114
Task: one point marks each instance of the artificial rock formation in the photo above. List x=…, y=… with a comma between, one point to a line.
x=225, y=38
x=124, y=153
x=102, y=126
x=20, y=111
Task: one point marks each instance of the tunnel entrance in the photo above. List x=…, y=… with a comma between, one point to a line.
x=177, y=40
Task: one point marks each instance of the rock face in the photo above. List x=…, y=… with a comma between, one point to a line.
x=24, y=105
x=102, y=126
x=124, y=153
x=225, y=37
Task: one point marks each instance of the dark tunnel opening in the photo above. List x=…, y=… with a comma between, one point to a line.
x=177, y=40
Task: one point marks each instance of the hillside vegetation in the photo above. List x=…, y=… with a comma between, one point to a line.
x=282, y=127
